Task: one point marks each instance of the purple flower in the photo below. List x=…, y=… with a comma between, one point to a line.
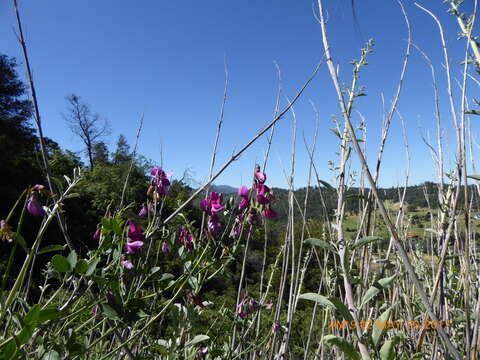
x=127, y=264
x=211, y=206
x=243, y=192
x=34, y=207
x=263, y=200
x=134, y=231
x=202, y=352
x=215, y=201
x=160, y=180
x=252, y=217
x=260, y=177
x=243, y=204
x=143, y=211
x=268, y=212
x=133, y=246
x=98, y=233
x=276, y=326
x=214, y=227
x=237, y=227
x=186, y=239
x=247, y=306
x=165, y=248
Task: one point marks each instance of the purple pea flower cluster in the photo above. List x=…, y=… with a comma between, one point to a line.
x=264, y=195
x=160, y=180
x=247, y=306
x=135, y=241
x=135, y=237
x=185, y=238
x=211, y=207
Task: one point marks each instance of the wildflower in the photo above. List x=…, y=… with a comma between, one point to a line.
x=269, y=306
x=260, y=177
x=268, y=212
x=98, y=232
x=252, y=217
x=185, y=238
x=165, y=248
x=236, y=228
x=202, y=352
x=134, y=231
x=195, y=299
x=34, y=207
x=160, y=180
x=247, y=306
x=276, y=326
x=243, y=193
x=264, y=195
x=214, y=224
x=133, y=246
x=211, y=206
x=143, y=211
x=135, y=237
x=6, y=231
x=127, y=264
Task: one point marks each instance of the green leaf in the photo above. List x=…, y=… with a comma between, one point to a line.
x=51, y=248
x=20, y=241
x=117, y=226
x=387, y=352
x=166, y=276
x=154, y=269
x=51, y=355
x=332, y=303
x=72, y=260
x=24, y=335
x=364, y=241
x=319, y=243
x=60, y=263
x=346, y=347
x=32, y=316
x=375, y=289
x=197, y=339
x=110, y=312
x=378, y=330
x=72, y=195
x=91, y=266
x=9, y=350
x=49, y=312
x=82, y=266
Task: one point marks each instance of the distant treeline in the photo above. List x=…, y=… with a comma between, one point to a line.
x=417, y=196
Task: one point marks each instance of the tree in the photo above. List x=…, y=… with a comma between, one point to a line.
x=122, y=154
x=100, y=153
x=19, y=166
x=91, y=127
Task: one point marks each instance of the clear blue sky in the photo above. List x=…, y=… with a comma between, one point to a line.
x=165, y=59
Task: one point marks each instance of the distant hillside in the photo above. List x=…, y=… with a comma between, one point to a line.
x=224, y=189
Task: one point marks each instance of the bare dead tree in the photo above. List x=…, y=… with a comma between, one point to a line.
x=89, y=126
